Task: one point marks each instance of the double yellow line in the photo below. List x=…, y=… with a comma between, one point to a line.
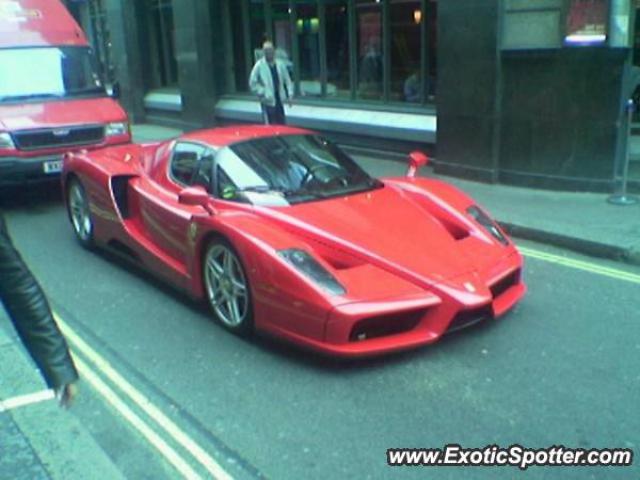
x=96, y=363
x=581, y=265
x=90, y=374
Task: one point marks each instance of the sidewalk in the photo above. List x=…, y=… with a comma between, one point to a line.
x=583, y=222
x=41, y=440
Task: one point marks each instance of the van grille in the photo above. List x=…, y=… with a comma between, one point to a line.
x=58, y=137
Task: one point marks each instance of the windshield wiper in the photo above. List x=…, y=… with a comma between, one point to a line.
x=262, y=189
x=285, y=192
x=86, y=91
x=31, y=96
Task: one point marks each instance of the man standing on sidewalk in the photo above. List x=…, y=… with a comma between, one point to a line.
x=31, y=315
x=271, y=82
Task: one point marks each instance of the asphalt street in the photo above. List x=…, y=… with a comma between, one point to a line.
x=563, y=368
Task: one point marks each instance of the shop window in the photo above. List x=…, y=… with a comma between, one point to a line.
x=587, y=22
x=337, y=48
x=406, y=78
x=369, y=49
x=238, y=47
x=337, y=40
x=163, y=43
x=257, y=28
x=98, y=33
x=282, y=35
x=431, y=24
x=307, y=30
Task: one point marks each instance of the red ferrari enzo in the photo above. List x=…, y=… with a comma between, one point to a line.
x=282, y=232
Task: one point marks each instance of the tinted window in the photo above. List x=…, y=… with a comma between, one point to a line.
x=204, y=171
x=184, y=162
x=288, y=169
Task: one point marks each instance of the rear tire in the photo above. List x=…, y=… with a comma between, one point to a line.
x=227, y=287
x=80, y=213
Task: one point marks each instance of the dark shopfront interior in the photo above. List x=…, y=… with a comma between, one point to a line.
x=516, y=102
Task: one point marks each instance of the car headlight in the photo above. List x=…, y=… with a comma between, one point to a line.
x=311, y=268
x=6, y=142
x=487, y=223
x=116, y=128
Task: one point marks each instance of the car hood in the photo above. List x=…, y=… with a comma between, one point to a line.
x=386, y=227
x=51, y=114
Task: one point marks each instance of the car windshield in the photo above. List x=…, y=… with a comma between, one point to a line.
x=48, y=72
x=288, y=169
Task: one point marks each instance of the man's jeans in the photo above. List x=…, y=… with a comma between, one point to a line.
x=273, y=115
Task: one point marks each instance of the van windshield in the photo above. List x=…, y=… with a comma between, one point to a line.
x=48, y=72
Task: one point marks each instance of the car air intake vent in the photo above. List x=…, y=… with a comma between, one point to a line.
x=466, y=318
x=503, y=285
x=457, y=231
x=384, y=325
x=58, y=137
x=119, y=187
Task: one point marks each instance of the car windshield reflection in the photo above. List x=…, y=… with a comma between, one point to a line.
x=288, y=169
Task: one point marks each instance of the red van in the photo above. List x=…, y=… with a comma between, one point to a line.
x=52, y=99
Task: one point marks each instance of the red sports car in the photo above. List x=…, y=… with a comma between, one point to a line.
x=282, y=232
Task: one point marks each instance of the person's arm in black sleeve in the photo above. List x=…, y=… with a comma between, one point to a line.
x=29, y=311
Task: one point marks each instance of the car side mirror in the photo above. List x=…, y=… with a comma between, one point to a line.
x=417, y=159
x=194, y=196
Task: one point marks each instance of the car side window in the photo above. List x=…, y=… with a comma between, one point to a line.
x=184, y=162
x=204, y=171
x=225, y=186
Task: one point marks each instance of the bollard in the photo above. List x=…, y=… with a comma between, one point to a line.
x=621, y=197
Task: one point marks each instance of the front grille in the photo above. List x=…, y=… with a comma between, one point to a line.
x=385, y=325
x=503, y=285
x=466, y=318
x=58, y=137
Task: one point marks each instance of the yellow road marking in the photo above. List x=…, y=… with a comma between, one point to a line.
x=152, y=437
x=581, y=265
x=145, y=404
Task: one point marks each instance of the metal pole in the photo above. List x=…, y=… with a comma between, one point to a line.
x=621, y=198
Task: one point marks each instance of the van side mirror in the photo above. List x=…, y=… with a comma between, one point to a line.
x=417, y=159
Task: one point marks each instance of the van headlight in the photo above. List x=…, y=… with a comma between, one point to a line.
x=115, y=129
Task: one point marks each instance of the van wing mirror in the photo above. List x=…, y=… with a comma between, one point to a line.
x=417, y=159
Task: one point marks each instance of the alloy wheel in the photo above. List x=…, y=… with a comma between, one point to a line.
x=227, y=287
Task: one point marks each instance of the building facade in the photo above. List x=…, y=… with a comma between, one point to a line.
x=516, y=91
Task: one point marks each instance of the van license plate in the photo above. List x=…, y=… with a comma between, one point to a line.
x=54, y=166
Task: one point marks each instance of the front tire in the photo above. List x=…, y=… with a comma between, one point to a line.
x=227, y=287
x=80, y=213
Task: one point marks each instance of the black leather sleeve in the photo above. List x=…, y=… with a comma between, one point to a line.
x=31, y=315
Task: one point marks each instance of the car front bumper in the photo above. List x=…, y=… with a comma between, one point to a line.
x=366, y=329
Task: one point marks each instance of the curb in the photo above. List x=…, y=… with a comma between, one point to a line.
x=578, y=245
x=52, y=438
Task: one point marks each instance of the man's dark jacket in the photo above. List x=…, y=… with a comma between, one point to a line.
x=29, y=310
